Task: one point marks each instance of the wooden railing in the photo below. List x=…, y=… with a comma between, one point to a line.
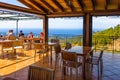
x=112, y=43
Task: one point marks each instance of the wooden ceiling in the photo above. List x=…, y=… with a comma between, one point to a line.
x=61, y=8
x=70, y=7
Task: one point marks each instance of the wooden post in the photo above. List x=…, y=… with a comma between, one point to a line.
x=87, y=30
x=87, y=39
x=45, y=28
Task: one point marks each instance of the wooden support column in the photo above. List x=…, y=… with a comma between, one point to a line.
x=87, y=39
x=45, y=28
x=87, y=30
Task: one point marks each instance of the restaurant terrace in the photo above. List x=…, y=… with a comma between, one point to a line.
x=57, y=60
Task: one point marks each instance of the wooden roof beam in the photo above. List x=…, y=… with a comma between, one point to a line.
x=106, y=13
x=81, y=4
x=118, y=4
x=33, y=5
x=51, y=8
x=70, y=5
x=26, y=4
x=17, y=8
x=93, y=4
x=39, y=6
x=58, y=5
x=107, y=2
x=64, y=14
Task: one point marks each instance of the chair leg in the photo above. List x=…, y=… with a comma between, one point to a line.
x=101, y=67
x=3, y=54
x=63, y=72
x=43, y=57
x=98, y=71
x=76, y=73
x=91, y=66
x=70, y=71
x=88, y=69
x=56, y=60
x=35, y=56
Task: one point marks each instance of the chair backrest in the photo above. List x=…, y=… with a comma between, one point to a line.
x=7, y=44
x=69, y=56
x=101, y=52
x=54, y=40
x=91, y=52
x=68, y=46
x=18, y=43
x=12, y=37
x=40, y=73
x=57, y=48
x=38, y=45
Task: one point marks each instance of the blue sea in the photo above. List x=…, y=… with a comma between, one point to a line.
x=52, y=32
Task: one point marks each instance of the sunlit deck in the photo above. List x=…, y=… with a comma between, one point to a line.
x=19, y=69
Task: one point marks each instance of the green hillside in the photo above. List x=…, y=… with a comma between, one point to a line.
x=112, y=31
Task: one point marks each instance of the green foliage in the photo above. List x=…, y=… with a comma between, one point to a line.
x=112, y=31
x=106, y=36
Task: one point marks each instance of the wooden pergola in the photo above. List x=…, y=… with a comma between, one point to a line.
x=69, y=8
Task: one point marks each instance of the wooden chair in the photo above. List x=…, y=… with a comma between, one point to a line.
x=69, y=60
x=12, y=37
x=40, y=73
x=54, y=40
x=68, y=46
x=26, y=45
x=19, y=44
x=57, y=49
x=6, y=47
x=96, y=60
x=42, y=49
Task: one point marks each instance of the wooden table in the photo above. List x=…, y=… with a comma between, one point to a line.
x=50, y=45
x=5, y=43
x=30, y=40
x=80, y=51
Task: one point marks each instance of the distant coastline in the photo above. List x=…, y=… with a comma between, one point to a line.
x=51, y=31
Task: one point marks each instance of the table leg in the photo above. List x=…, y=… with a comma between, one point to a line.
x=14, y=53
x=51, y=54
x=84, y=69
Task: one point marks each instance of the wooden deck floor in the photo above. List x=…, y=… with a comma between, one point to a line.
x=19, y=69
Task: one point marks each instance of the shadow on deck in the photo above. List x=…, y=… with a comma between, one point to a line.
x=111, y=70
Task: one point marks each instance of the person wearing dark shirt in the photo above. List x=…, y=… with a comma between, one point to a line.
x=21, y=34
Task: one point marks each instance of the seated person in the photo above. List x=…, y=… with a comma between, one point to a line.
x=21, y=34
x=41, y=37
x=29, y=40
x=10, y=33
x=1, y=35
x=30, y=35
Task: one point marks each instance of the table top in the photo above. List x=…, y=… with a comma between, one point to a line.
x=77, y=49
x=1, y=41
x=49, y=43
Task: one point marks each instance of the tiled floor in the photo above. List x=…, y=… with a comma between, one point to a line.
x=19, y=70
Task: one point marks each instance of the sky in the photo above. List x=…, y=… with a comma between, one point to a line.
x=61, y=23
x=14, y=2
